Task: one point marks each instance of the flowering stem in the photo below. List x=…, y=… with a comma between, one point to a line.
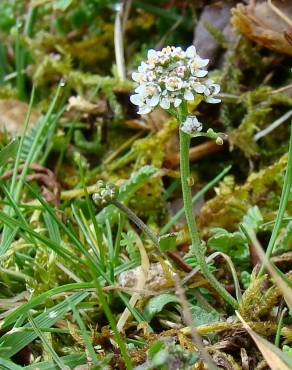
x=133, y=217
x=195, y=239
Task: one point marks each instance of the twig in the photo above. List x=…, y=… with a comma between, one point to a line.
x=127, y=8
x=280, y=13
x=171, y=30
x=195, y=153
x=272, y=126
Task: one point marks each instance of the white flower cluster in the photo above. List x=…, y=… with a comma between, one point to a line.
x=170, y=76
x=191, y=125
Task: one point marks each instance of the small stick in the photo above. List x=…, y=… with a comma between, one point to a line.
x=195, y=153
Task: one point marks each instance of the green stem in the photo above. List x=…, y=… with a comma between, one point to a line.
x=282, y=206
x=195, y=198
x=195, y=239
x=133, y=217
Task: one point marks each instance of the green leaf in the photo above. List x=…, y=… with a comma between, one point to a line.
x=203, y=317
x=156, y=305
x=167, y=242
x=233, y=244
x=9, y=151
x=253, y=219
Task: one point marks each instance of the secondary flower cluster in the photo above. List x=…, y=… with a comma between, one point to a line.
x=105, y=194
x=170, y=76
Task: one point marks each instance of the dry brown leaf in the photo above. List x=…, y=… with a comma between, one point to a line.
x=266, y=23
x=13, y=114
x=276, y=359
x=79, y=104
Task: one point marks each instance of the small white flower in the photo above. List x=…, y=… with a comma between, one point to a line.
x=166, y=51
x=199, y=62
x=137, y=76
x=196, y=64
x=177, y=52
x=211, y=89
x=191, y=125
x=173, y=83
x=181, y=71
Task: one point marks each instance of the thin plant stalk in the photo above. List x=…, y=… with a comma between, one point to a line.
x=195, y=239
x=133, y=217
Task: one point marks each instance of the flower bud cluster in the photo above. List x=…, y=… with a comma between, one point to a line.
x=105, y=195
x=170, y=76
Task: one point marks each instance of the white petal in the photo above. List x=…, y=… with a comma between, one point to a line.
x=141, y=89
x=165, y=103
x=143, y=67
x=199, y=88
x=191, y=52
x=203, y=62
x=136, y=99
x=177, y=102
x=144, y=109
x=200, y=73
x=152, y=54
x=188, y=95
x=207, y=91
x=212, y=100
x=153, y=101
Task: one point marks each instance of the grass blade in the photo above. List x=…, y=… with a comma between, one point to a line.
x=15, y=341
x=282, y=206
x=47, y=345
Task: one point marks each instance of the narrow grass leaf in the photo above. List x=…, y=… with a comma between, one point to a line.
x=8, y=365
x=15, y=341
x=282, y=206
x=47, y=345
x=71, y=360
x=85, y=336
